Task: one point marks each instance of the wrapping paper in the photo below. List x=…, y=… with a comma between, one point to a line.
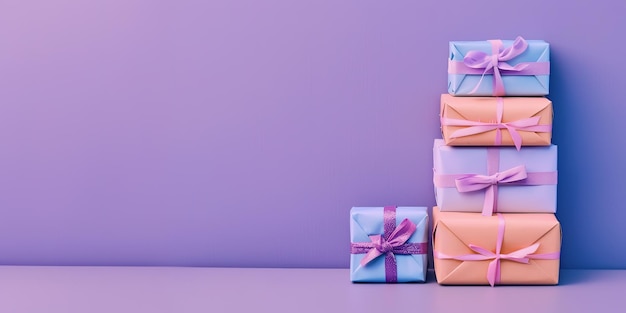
x=489, y=121
x=455, y=232
x=369, y=221
x=518, y=76
x=452, y=164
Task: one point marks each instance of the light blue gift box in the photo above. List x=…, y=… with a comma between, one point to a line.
x=366, y=221
x=538, y=51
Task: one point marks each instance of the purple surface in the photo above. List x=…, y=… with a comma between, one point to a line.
x=157, y=290
x=240, y=133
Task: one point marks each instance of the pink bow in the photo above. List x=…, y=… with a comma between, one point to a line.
x=476, y=182
x=493, y=271
x=496, y=62
x=396, y=239
x=527, y=124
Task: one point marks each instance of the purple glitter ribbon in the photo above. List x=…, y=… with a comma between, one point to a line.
x=392, y=242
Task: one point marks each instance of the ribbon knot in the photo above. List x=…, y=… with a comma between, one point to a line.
x=496, y=62
x=383, y=246
x=493, y=179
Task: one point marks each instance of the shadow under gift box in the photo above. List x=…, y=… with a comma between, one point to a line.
x=370, y=221
x=500, y=191
x=456, y=233
x=496, y=121
x=531, y=81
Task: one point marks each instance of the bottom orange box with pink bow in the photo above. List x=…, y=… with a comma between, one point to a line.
x=502, y=249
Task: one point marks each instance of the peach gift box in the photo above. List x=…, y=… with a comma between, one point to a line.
x=491, y=121
x=465, y=248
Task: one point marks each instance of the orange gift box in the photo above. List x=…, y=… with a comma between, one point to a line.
x=494, y=121
x=465, y=248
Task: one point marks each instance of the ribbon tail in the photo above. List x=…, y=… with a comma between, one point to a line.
x=482, y=251
x=498, y=274
x=481, y=80
x=472, y=130
x=524, y=253
x=489, y=204
x=517, y=138
x=493, y=272
x=370, y=256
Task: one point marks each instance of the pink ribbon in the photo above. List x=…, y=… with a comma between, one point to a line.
x=528, y=124
x=495, y=63
x=393, y=241
x=516, y=176
x=523, y=255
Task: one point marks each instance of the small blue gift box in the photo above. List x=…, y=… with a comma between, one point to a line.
x=388, y=244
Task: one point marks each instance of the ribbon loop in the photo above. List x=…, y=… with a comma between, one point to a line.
x=384, y=247
x=496, y=62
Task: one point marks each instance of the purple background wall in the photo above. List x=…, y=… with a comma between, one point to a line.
x=239, y=133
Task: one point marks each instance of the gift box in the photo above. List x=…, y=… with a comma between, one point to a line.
x=495, y=179
x=388, y=244
x=506, y=249
x=496, y=121
x=499, y=68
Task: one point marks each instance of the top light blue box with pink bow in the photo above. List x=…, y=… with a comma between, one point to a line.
x=499, y=68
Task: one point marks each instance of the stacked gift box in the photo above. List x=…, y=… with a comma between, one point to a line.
x=495, y=176
x=495, y=170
